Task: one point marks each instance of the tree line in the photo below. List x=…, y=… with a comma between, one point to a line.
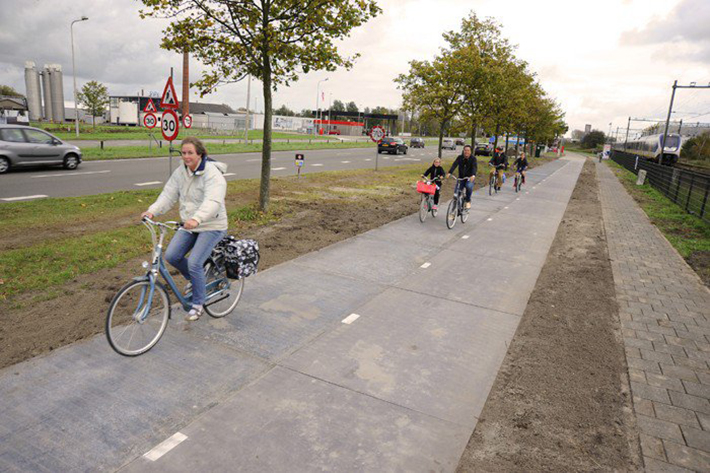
x=476, y=84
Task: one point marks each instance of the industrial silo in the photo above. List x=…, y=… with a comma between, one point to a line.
x=57, y=84
x=34, y=93
x=47, y=89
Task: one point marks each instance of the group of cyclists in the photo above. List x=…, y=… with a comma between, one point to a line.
x=467, y=166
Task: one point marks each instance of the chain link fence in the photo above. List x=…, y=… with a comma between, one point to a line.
x=687, y=189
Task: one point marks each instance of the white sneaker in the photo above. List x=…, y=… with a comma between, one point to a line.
x=188, y=288
x=193, y=315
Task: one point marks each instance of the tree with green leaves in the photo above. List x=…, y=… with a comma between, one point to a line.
x=337, y=106
x=9, y=91
x=593, y=138
x=352, y=107
x=272, y=40
x=94, y=99
x=284, y=111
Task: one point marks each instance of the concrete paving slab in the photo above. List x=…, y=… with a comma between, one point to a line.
x=477, y=280
x=417, y=351
x=285, y=308
x=92, y=415
x=432, y=233
x=287, y=422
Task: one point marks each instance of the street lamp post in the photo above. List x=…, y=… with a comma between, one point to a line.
x=73, y=67
x=317, y=104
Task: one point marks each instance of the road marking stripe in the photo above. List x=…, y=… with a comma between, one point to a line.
x=24, y=197
x=465, y=237
x=505, y=207
x=278, y=169
x=61, y=174
x=425, y=265
x=350, y=318
x=140, y=184
x=489, y=219
x=230, y=174
x=345, y=162
x=317, y=164
x=253, y=160
x=165, y=446
x=368, y=159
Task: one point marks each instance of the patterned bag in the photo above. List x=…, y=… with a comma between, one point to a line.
x=241, y=257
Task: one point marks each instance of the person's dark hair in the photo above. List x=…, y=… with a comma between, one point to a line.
x=197, y=143
x=468, y=146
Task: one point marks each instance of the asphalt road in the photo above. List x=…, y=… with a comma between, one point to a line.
x=98, y=177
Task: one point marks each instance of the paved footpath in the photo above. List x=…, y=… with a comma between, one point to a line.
x=665, y=316
x=374, y=354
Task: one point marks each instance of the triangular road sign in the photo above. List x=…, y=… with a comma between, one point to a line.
x=150, y=107
x=169, y=98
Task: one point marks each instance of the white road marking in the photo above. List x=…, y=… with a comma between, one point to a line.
x=465, y=237
x=278, y=169
x=253, y=160
x=489, y=219
x=350, y=319
x=141, y=184
x=368, y=159
x=25, y=197
x=505, y=207
x=425, y=265
x=62, y=174
x=345, y=162
x=165, y=446
x=317, y=164
x=229, y=174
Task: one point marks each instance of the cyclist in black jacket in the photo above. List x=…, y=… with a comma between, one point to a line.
x=436, y=173
x=521, y=164
x=499, y=161
x=468, y=166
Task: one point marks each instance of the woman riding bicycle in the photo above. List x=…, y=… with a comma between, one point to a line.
x=521, y=164
x=200, y=188
x=468, y=166
x=436, y=173
x=499, y=161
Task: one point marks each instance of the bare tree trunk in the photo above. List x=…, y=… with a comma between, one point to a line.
x=265, y=185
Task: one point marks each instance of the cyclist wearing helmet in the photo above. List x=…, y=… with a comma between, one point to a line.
x=468, y=166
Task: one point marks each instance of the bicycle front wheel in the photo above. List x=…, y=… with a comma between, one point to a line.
x=224, y=295
x=423, y=208
x=464, y=215
x=135, y=320
x=491, y=183
x=451, y=212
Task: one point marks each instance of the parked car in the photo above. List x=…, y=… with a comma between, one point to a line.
x=392, y=146
x=334, y=131
x=460, y=141
x=483, y=149
x=448, y=143
x=27, y=146
x=416, y=143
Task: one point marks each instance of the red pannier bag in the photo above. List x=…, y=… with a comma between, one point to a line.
x=424, y=188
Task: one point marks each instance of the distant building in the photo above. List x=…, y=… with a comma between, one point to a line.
x=14, y=110
x=587, y=129
x=128, y=110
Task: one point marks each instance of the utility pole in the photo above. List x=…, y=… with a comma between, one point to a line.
x=628, y=127
x=680, y=125
x=692, y=85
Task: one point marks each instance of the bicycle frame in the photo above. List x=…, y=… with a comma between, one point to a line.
x=459, y=192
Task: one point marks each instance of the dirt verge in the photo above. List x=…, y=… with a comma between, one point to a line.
x=561, y=400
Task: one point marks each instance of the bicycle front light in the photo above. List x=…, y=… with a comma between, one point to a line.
x=145, y=264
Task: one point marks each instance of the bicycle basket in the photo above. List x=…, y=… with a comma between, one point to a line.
x=424, y=188
x=241, y=257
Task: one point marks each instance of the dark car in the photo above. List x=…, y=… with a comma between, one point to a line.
x=416, y=143
x=392, y=146
x=28, y=146
x=460, y=141
x=483, y=149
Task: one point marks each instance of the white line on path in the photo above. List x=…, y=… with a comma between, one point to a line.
x=165, y=446
x=350, y=318
x=317, y=164
x=25, y=197
x=253, y=160
x=425, y=265
x=278, y=169
x=345, y=162
x=489, y=219
x=368, y=159
x=141, y=184
x=71, y=174
x=505, y=207
x=465, y=237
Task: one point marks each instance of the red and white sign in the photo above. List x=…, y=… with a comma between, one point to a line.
x=150, y=107
x=377, y=133
x=171, y=125
x=150, y=120
x=187, y=121
x=169, y=97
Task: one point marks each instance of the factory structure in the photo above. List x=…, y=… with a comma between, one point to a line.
x=45, y=92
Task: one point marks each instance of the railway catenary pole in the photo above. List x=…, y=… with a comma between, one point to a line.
x=668, y=119
x=628, y=127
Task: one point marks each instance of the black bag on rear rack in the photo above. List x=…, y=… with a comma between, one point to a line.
x=241, y=257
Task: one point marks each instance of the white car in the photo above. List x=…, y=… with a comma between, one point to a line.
x=448, y=143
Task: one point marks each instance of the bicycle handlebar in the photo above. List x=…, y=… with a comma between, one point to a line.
x=170, y=224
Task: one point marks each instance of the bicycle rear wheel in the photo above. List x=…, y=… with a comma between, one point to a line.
x=451, y=212
x=223, y=304
x=491, y=183
x=515, y=184
x=134, y=324
x=423, y=207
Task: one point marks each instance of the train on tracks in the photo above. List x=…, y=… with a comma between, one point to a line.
x=650, y=148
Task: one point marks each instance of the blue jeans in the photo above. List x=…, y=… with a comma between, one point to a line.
x=200, y=246
x=469, y=188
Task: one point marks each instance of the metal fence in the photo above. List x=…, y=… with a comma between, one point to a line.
x=687, y=189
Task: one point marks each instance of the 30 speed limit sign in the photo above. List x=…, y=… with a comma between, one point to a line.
x=150, y=120
x=170, y=126
x=377, y=133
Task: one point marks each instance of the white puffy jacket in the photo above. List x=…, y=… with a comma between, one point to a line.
x=201, y=195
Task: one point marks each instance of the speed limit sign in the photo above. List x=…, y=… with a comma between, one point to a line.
x=170, y=126
x=377, y=133
x=150, y=120
x=187, y=121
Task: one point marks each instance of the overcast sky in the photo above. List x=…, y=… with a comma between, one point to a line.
x=603, y=61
